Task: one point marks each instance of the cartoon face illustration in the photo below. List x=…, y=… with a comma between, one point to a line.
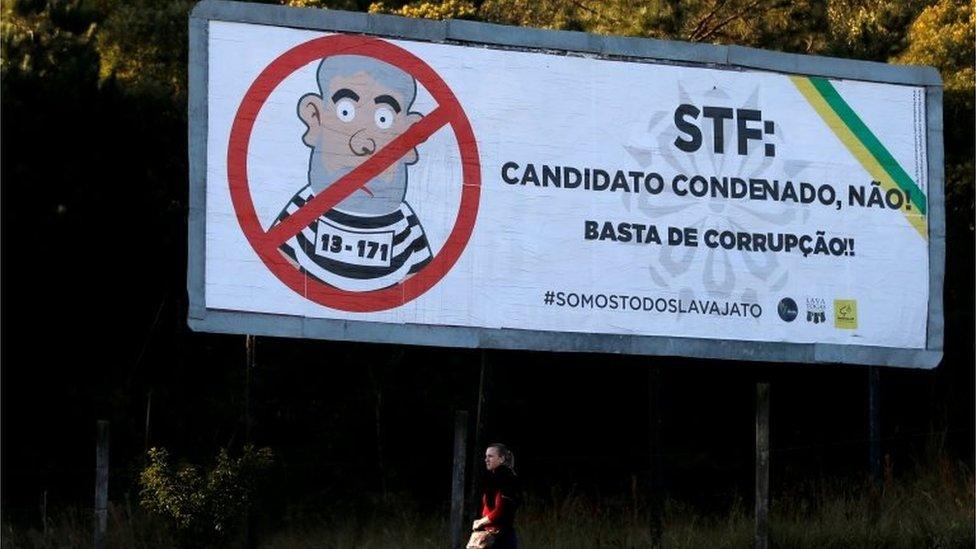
x=371, y=239
x=364, y=104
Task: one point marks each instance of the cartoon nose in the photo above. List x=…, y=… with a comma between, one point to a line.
x=361, y=144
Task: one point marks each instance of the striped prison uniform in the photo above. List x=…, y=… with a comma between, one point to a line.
x=408, y=248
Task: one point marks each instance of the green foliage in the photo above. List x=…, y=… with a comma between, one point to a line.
x=791, y=26
x=203, y=504
x=143, y=44
x=869, y=29
x=349, y=5
x=546, y=14
x=448, y=9
x=52, y=41
x=943, y=36
x=864, y=29
x=959, y=191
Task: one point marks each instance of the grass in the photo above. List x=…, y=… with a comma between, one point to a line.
x=932, y=508
x=128, y=528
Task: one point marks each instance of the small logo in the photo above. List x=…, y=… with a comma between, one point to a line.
x=845, y=314
x=787, y=309
x=816, y=310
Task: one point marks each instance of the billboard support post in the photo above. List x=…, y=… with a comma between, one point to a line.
x=249, y=345
x=874, y=424
x=148, y=412
x=762, y=465
x=480, y=428
x=655, y=482
x=457, y=484
x=44, y=513
x=101, y=485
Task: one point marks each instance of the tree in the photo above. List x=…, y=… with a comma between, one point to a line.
x=448, y=9
x=869, y=29
x=143, y=44
x=943, y=36
x=864, y=29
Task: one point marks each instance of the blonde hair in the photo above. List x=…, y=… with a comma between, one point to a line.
x=508, y=458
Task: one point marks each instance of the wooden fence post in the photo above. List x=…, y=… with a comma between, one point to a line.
x=457, y=484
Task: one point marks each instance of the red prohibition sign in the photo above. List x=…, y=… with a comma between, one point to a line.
x=266, y=243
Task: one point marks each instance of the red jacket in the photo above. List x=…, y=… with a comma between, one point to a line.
x=500, y=512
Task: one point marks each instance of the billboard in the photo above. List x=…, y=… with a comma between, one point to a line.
x=453, y=183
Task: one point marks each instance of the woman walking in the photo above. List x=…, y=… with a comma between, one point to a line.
x=500, y=497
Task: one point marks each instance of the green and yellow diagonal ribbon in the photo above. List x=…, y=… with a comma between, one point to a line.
x=864, y=145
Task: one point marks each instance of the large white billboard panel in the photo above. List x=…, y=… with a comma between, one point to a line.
x=404, y=182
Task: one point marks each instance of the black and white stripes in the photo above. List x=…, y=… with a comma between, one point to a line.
x=355, y=252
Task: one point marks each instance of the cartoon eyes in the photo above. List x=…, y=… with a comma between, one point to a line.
x=346, y=110
x=383, y=117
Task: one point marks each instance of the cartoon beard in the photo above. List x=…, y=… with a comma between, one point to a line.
x=384, y=195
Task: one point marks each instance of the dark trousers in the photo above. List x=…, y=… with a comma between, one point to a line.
x=506, y=539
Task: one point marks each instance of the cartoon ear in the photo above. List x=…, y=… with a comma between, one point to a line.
x=411, y=119
x=311, y=110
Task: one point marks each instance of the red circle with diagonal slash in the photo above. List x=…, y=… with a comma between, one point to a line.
x=266, y=243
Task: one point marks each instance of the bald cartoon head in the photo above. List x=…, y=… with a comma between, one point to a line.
x=363, y=104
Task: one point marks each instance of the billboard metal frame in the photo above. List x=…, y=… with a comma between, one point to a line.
x=468, y=33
